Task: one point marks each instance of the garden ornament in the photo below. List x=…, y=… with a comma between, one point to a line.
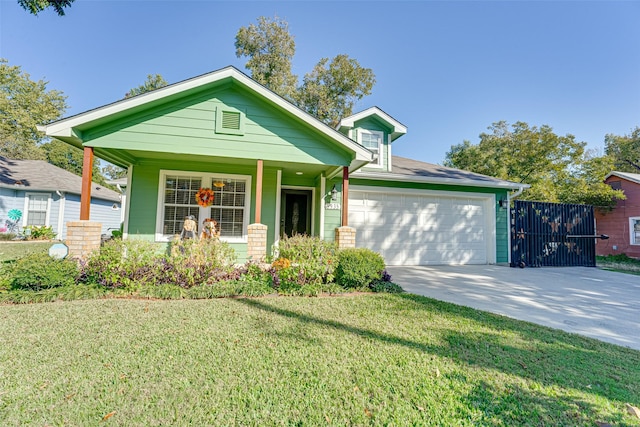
x=189, y=228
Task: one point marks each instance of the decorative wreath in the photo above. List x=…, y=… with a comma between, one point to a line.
x=204, y=197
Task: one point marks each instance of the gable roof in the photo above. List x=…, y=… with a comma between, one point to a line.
x=633, y=177
x=398, y=129
x=38, y=175
x=64, y=128
x=410, y=170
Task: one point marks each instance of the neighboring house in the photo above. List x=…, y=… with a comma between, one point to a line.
x=622, y=224
x=271, y=163
x=50, y=196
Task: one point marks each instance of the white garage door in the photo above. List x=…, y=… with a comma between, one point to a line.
x=419, y=228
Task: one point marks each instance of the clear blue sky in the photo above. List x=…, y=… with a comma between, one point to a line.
x=446, y=70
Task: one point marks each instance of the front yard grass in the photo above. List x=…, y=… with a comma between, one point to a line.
x=619, y=263
x=11, y=251
x=361, y=360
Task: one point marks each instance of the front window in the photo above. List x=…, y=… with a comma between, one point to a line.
x=230, y=207
x=373, y=141
x=37, y=207
x=634, y=230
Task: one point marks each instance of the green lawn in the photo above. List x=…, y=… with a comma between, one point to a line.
x=356, y=360
x=619, y=263
x=10, y=251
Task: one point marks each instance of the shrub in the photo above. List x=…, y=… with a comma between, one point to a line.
x=313, y=259
x=194, y=262
x=122, y=263
x=358, y=267
x=384, y=286
x=39, y=232
x=40, y=271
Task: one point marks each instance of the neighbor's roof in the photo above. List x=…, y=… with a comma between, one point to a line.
x=404, y=169
x=38, y=175
x=633, y=177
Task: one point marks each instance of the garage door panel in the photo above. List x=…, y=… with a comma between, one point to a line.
x=414, y=229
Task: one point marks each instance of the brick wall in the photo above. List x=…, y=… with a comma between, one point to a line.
x=83, y=237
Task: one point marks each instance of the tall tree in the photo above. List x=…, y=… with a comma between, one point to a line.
x=113, y=172
x=556, y=167
x=25, y=104
x=270, y=49
x=329, y=92
x=153, y=82
x=625, y=150
x=70, y=158
x=36, y=6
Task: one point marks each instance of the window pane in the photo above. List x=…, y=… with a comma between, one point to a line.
x=228, y=204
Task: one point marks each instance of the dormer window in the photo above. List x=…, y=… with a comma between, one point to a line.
x=372, y=139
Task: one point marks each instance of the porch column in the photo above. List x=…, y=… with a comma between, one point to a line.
x=345, y=196
x=345, y=235
x=85, y=194
x=259, y=191
x=257, y=233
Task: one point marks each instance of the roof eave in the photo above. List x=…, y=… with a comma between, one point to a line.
x=65, y=128
x=507, y=185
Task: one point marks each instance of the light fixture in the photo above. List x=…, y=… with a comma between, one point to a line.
x=504, y=203
x=299, y=173
x=334, y=193
x=218, y=184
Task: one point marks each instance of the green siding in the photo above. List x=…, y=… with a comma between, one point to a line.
x=501, y=215
x=188, y=127
x=332, y=218
x=144, y=197
x=371, y=123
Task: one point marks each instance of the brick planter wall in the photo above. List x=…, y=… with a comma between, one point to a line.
x=83, y=237
x=346, y=237
x=257, y=242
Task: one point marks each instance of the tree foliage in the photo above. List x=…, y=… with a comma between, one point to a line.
x=25, y=104
x=113, y=172
x=329, y=92
x=556, y=167
x=270, y=49
x=625, y=151
x=36, y=6
x=153, y=82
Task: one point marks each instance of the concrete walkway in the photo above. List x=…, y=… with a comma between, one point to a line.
x=587, y=301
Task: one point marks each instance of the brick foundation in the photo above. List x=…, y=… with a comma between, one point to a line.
x=83, y=237
x=257, y=242
x=346, y=237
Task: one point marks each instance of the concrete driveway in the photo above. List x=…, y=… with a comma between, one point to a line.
x=587, y=301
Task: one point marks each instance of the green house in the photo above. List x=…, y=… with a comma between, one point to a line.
x=275, y=170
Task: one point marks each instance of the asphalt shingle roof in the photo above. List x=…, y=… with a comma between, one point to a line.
x=415, y=168
x=38, y=175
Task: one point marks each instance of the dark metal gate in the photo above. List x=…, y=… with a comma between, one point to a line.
x=552, y=234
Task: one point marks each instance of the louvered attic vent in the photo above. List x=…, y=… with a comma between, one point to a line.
x=229, y=121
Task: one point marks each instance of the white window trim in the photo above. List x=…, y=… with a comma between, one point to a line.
x=26, y=208
x=381, y=153
x=205, y=177
x=631, y=221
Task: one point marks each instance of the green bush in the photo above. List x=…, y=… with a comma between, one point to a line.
x=121, y=263
x=39, y=232
x=195, y=262
x=39, y=271
x=358, y=267
x=313, y=259
x=383, y=286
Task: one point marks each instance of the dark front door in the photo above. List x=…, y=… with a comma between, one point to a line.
x=295, y=212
